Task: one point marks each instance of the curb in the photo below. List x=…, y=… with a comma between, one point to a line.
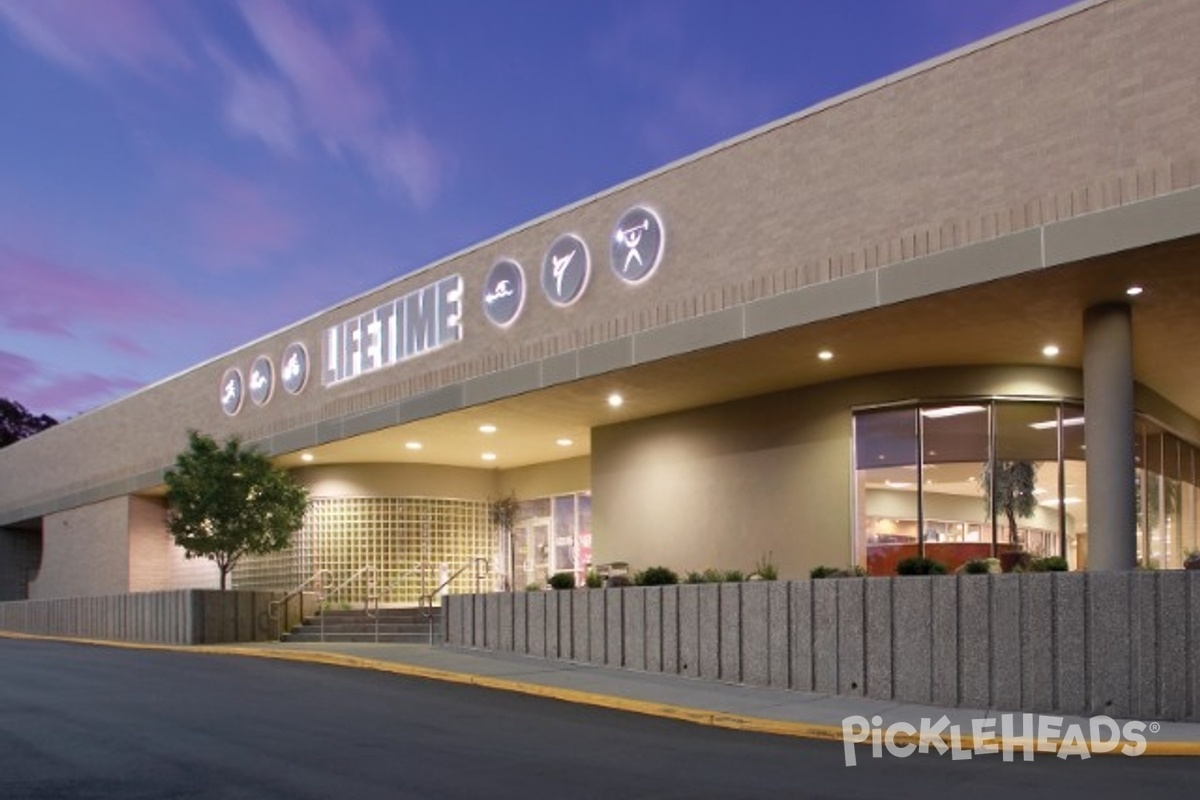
x=695, y=716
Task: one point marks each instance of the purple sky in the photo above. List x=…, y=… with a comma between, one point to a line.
x=178, y=177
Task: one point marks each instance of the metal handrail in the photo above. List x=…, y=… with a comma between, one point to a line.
x=372, y=596
x=319, y=575
x=425, y=601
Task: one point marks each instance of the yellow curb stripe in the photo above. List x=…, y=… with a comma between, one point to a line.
x=697, y=716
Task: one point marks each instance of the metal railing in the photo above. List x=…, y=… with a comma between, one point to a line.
x=372, y=597
x=318, y=582
x=317, y=579
x=425, y=602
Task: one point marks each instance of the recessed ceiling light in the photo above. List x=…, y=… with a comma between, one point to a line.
x=487, y=428
x=825, y=355
x=1050, y=350
x=306, y=457
x=488, y=456
x=1134, y=291
x=564, y=442
x=413, y=445
x=615, y=400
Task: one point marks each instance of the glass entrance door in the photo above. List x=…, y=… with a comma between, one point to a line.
x=531, y=548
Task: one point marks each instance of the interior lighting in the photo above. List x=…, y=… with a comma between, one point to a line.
x=306, y=457
x=487, y=428
x=1068, y=422
x=615, y=400
x=1050, y=350
x=488, y=456
x=951, y=411
x=413, y=445
x=1134, y=291
x=564, y=442
x=825, y=355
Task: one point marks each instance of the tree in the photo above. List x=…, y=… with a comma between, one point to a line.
x=227, y=501
x=17, y=423
x=1012, y=491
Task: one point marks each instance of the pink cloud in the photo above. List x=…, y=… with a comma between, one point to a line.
x=129, y=346
x=47, y=391
x=238, y=223
x=327, y=84
x=86, y=37
x=55, y=298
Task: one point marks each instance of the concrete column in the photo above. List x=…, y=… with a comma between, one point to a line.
x=1108, y=408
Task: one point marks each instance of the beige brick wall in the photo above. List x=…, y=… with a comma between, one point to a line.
x=155, y=562
x=1097, y=109
x=85, y=552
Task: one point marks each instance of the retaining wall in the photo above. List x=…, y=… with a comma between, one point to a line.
x=1122, y=644
x=188, y=616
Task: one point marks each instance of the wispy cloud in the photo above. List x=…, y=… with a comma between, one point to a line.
x=328, y=75
x=90, y=37
x=237, y=223
x=45, y=390
x=331, y=81
x=54, y=298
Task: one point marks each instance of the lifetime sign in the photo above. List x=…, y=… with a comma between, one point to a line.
x=411, y=326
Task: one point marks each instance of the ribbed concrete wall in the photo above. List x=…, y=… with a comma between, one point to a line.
x=1122, y=644
x=190, y=616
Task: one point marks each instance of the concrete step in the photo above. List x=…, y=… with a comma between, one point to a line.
x=389, y=638
x=353, y=625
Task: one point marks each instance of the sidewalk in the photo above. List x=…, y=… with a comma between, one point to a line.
x=764, y=710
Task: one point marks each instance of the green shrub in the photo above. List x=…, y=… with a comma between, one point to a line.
x=1048, y=564
x=765, y=570
x=694, y=577
x=734, y=576
x=713, y=576
x=977, y=566
x=656, y=576
x=534, y=586
x=593, y=580
x=562, y=580
x=822, y=571
x=919, y=565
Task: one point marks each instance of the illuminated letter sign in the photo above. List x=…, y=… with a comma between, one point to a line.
x=415, y=324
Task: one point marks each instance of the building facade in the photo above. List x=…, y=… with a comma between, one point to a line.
x=953, y=312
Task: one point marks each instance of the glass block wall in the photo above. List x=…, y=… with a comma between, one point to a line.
x=414, y=543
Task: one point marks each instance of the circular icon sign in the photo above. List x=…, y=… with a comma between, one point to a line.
x=565, y=270
x=637, y=244
x=294, y=373
x=231, y=391
x=504, y=293
x=262, y=380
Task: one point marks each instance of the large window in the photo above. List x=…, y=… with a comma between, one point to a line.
x=966, y=480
